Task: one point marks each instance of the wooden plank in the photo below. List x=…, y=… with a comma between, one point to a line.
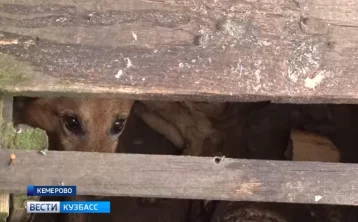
x=183, y=177
x=4, y=206
x=28, y=138
x=282, y=50
x=6, y=117
x=7, y=112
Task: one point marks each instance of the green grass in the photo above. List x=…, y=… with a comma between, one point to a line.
x=28, y=139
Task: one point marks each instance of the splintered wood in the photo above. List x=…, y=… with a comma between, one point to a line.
x=280, y=50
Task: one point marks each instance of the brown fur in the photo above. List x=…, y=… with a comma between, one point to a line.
x=97, y=116
x=312, y=147
x=188, y=125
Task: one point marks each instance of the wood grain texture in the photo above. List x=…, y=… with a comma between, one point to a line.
x=183, y=177
x=6, y=115
x=7, y=106
x=4, y=206
x=281, y=50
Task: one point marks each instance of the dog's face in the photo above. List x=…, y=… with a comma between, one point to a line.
x=80, y=124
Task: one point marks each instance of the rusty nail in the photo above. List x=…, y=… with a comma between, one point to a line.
x=12, y=158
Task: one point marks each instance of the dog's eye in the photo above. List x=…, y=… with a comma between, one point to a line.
x=72, y=124
x=118, y=126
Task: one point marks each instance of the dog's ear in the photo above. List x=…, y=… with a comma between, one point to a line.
x=19, y=107
x=35, y=112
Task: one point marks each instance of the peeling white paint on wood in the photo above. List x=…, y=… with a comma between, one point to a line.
x=119, y=74
x=135, y=37
x=312, y=83
x=129, y=62
x=317, y=198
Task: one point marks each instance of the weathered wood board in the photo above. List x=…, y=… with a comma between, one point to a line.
x=11, y=208
x=302, y=51
x=4, y=206
x=183, y=177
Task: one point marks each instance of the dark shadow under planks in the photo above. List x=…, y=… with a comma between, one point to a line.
x=227, y=211
x=285, y=51
x=183, y=177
